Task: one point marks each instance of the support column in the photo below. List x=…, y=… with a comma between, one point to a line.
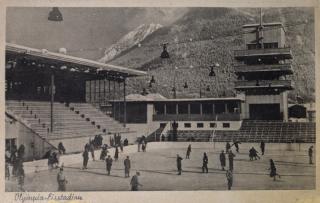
x=177, y=109
x=95, y=91
x=109, y=90
x=165, y=109
x=113, y=98
x=89, y=91
x=99, y=92
x=124, y=104
x=189, y=109
x=200, y=108
x=213, y=110
x=119, y=113
x=104, y=91
x=225, y=108
x=51, y=102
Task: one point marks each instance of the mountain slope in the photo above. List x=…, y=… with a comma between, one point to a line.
x=222, y=26
x=129, y=40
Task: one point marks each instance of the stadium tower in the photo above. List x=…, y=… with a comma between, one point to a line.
x=262, y=70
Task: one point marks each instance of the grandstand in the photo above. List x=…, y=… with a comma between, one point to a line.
x=53, y=97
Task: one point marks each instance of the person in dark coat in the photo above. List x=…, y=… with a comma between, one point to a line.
x=20, y=151
x=139, y=144
x=85, y=156
x=253, y=153
x=236, y=144
x=229, y=179
x=116, y=154
x=127, y=166
x=104, y=152
x=188, y=152
x=222, y=160
x=61, y=148
x=179, y=165
x=262, y=146
x=21, y=176
x=228, y=147
x=231, y=156
x=62, y=181
x=92, y=150
x=143, y=146
x=135, y=182
x=109, y=164
x=121, y=145
x=273, y=170
x=310, y=153
x=125, y=142
x=205, y=163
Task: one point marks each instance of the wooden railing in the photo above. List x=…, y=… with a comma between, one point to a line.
x=264, y=83
x=257, y=52
x=272, y=67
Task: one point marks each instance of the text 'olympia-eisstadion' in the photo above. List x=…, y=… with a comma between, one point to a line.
x=54, y=97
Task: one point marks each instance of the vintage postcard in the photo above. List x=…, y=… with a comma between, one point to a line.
x=173, y=101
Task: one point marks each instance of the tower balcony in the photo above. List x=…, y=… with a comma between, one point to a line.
x=264, y=84
x=281, y=53
x=282, y=68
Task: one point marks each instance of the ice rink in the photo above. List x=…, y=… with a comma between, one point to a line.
x=158, y=171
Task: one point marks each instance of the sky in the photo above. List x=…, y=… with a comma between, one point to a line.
x=83, y=30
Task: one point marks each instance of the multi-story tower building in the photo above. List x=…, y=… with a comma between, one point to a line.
x=262, y=70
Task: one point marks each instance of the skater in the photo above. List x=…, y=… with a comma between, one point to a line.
x=127, y=166
x=143, y=146
x=139, y=144
x=135, y=182
x=273, y=170
x=125, y=142
x=223, y=160
x=109, y=164
x=61, y=148
x=236, y=144
x=188, y=152
x=7, y=172
x=104, y=152
x=179, y=167
x=20, y=175
x=228, y=146
x=262, y=145
x=121, y=145
x=62, y=181
x=310, y=152
x=116, y=154
x=205, y=163
x=85, y=156
x=253, y=153
x=92, y=150
x=231, y=156
x=229, y=179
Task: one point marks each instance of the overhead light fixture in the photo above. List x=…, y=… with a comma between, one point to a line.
x=55, y=15
x=144, y=92
x=164, y=54
x=208, y=89
x=152, y=79
x=212, y=73
x=185, y=86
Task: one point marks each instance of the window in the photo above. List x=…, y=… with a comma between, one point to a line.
x=270, y=45
x=199, y=125
x=187, y=125
x=254, y=46
x=226, y=125
x=213, y=125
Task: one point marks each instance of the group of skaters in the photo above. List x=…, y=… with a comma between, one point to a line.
x=117, y=143
x=14, y=157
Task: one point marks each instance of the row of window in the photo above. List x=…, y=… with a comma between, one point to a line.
x=211, y=125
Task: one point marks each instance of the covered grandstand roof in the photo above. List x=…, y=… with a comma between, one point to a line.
x=83, y=64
